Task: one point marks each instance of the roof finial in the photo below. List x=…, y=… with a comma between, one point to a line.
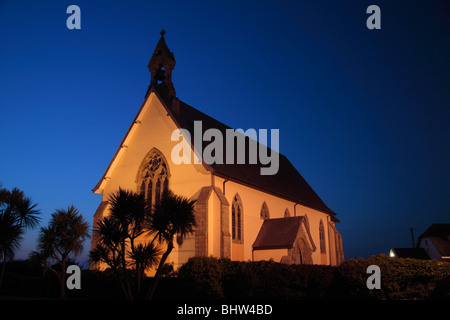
x=163, y=32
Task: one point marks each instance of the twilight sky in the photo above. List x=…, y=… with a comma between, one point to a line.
x=364, y=115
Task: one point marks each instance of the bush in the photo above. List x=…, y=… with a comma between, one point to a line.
x=212, y=278
x=203, y=276
x=222, y=278
x=442, y=289
x=400, y=279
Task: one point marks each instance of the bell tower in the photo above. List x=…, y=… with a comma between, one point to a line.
x=160, y=66
x=162, y=63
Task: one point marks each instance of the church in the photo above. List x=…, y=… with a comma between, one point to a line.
x=240, y=213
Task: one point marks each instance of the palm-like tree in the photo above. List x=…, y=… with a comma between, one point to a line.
x=130, y=211
x=109, y=239
x=116, y=235
x=21, y=208
x=17, y=213
x=10, y=236
x=64, y=236
x=142, y=257
x=173, y=217
x=130, y=217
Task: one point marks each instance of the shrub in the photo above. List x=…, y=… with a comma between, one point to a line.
x=203, y=276
x=223, y=278
x=212, y=278
x=400, y=278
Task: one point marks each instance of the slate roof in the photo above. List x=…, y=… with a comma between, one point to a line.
x=287, y=183
x=278, y=233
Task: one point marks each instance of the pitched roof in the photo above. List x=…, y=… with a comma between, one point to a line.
x=278, y=233
x=441, y=230
x=287, y=183
x=442, y=245
x=439, y=234
x=414, y=253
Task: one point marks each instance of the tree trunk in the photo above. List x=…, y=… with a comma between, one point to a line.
x=62, y=280
x=2, y=273
x=125, y=273
x=125, y=291
x=152, y=288
x=138, y=281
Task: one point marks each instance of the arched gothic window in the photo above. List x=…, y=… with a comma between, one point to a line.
x=153, y=172
x=237, y=219
x=265, y=211
x=322, y=237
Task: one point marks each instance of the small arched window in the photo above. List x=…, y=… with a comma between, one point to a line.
x=299, y=256
x=265, y=211
x=237, y=220
x=322, y=238
x=233, y=222
x=239, y=223
x=287, y=213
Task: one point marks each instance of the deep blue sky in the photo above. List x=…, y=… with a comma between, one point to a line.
x=363, y=114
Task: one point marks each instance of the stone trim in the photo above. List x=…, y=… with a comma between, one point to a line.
x=201, y=218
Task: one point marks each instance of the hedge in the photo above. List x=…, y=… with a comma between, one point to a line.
x=221, y=278
x=211, y=278
x=400, y=278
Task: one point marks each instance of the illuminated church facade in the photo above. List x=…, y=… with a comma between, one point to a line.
x=240, y=213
